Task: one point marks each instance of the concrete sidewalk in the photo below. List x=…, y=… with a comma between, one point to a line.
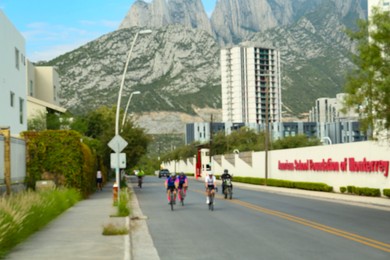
x=77, y=233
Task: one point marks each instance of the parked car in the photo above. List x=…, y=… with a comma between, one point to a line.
x=163, y=172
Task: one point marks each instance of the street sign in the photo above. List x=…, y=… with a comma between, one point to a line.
x=114, y=160
x=117, y=144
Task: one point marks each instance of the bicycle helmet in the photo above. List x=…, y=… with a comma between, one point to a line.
x=173, y=174
x=225, y=171
x=182, y=173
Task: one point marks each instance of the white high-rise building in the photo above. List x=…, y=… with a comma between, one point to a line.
x=249, y=75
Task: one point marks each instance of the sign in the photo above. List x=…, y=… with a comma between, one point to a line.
x=114, y=160
x=349, y=164
x=117, y=144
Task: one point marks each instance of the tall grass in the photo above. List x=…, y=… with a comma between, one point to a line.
x=123, y=205
x=24, y=213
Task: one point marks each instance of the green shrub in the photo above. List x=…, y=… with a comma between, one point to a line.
x=59, y=155
x=364, y=191
x=285, y=183
x=343, y=189
x=386, y=192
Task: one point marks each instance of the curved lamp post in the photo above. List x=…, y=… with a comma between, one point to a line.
x=127, y=106
x=327, y=139
x=123, y=79
x=119, y=102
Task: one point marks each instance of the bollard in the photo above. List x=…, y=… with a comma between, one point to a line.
x=115, y=192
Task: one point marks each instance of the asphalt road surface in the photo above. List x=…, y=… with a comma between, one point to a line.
x=261, y=225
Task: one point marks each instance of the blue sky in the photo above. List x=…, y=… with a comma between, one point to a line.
x=54, y=27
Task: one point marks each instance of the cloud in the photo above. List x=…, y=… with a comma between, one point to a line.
x=52, y=52
x=48, y=41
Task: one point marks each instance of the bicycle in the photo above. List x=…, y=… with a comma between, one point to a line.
x=182, y=195
x=211, y=199
x=172, y=198
x=172, y=201
x=227, y=190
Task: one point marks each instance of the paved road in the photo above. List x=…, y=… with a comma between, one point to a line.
x=262, y=225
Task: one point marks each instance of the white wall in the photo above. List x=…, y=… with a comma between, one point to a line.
x=369, y=151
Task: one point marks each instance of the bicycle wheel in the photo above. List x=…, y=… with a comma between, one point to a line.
x=212, y=202
x=172, y=200
x=182, y=197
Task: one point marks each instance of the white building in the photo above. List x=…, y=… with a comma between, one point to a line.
x=249, y=75
x=382, y=4
x=12, y=78
x=43, y=87
x=26, y=90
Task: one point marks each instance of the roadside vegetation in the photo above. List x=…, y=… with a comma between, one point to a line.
x=22, y=214
x=241, y=140
x=368, y=84
x=67, y=150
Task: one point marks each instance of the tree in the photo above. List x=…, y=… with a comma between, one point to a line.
x=295, y=142
x=99, y=125
x=38, y=122
x=368, y=85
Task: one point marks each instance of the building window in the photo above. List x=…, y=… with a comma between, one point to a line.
x=55, y=93
x=31, y=88
x=21, y=105
x=16, y=58
x=12, y=98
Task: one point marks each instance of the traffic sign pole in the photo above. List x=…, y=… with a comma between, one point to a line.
x=117, y=144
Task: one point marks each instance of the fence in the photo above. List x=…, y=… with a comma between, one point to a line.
x=17, y=163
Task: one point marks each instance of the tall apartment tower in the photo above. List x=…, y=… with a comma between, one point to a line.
x=249, y=75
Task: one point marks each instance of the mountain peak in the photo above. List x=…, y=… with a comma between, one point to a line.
x=159, y=13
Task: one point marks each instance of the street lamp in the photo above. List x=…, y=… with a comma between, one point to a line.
x=127, y=106
x=327, y=139
x=123, y=79
x=119, y=102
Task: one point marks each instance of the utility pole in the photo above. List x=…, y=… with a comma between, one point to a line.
x=266, y=126
x=211, y=137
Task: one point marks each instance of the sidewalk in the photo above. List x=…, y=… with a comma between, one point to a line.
x=77, y=233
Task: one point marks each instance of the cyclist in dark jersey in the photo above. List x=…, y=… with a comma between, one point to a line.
x=183, y=181
x=171, y=184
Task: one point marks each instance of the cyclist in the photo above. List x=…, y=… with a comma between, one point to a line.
x=140, y=175
x=225, y=176
x=171, y=185
x=210, y=184
x=183, y=183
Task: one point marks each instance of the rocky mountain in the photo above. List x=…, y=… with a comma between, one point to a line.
x=177, y=67
x=160, y=13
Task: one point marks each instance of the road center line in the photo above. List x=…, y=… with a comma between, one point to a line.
x=337, y=232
